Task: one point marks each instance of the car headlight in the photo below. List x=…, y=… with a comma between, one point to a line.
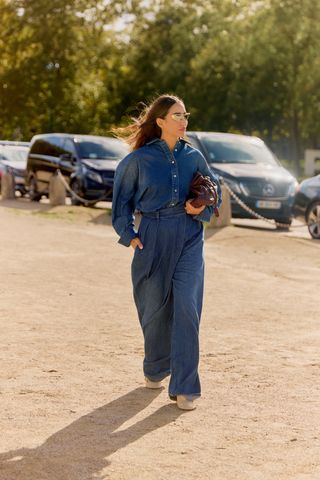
x=235, y=187
x=293, y=188
x=244, y=189
x=92, y=175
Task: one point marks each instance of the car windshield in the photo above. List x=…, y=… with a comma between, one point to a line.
x=14, y=154
x=102, y=149
x=237, y=151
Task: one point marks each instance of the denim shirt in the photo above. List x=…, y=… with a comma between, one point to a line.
x=154, y=177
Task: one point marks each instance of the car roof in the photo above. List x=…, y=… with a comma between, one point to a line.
x=13, y=147
x=74, y=136
x=227, y=136
x=13, y=143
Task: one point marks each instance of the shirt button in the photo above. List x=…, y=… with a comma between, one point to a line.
x=176, y=190
x=172, y=161
x=174, y=176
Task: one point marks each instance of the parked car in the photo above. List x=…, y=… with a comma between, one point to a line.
x=87, y=163
x=3, y=169
x=307, y=204
x=13, y=158
x=251, y=171
x=14, y=143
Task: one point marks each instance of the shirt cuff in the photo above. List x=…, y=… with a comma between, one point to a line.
x=205, y=215
x=126, y=237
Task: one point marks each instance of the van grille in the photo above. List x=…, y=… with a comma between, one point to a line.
x=264, y=189
x=107, y=175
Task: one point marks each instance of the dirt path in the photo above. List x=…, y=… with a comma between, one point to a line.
x=72, y=401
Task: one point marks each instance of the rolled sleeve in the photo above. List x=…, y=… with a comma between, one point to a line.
x=205, y=215
x=123, y=200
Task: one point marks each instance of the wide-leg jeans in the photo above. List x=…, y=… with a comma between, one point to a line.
x=167, y=276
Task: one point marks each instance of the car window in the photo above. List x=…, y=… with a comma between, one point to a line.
x=13, y=154
x=57, y=142
x=68, y=147
x=237, y=151
x=51, y=146
x=102, y=149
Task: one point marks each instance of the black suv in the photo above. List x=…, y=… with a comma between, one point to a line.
x=87, y=163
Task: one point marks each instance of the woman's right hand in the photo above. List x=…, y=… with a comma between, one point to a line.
x=136, y=242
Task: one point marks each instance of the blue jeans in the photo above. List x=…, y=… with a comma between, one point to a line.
x=167, y=276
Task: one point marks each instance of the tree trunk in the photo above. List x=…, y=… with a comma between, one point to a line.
x=295, y=142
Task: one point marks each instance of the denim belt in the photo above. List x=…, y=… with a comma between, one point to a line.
x=165, y=212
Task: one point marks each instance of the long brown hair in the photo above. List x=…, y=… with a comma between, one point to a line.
x=145, y=128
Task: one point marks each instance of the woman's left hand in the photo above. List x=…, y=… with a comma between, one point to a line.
x=193, y=210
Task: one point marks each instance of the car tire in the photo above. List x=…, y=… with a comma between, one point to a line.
x=313, y=219
x=284, y=221
x=76, y=188
x=34, y=195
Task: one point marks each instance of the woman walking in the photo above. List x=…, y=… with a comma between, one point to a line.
x=167, y=265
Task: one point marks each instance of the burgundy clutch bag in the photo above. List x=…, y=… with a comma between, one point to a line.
x=203, y=191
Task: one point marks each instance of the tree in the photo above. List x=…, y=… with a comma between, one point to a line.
x=240, y=65
x=50, y=60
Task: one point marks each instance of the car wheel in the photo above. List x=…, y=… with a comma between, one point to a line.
x=90, y=205
x=286, y=222
x=34, y=195
x=76, y=188
x=313, y=219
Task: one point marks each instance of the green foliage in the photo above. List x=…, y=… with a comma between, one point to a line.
x=240, y=65
x=46, y=77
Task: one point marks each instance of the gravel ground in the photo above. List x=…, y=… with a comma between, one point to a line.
x=73, y=404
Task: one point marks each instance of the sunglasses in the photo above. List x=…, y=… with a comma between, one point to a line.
x=179, y=117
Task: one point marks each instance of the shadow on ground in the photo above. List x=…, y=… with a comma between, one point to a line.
x=259, y=228
x=26, y=205
x=81, y=450
x=99, y=214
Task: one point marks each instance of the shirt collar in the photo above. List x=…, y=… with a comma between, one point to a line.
x=153, y=141
x=157, y=140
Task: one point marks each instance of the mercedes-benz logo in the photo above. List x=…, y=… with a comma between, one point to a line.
x=268, y=190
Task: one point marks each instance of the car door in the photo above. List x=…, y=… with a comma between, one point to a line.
x=45, y=159
x=68, y=158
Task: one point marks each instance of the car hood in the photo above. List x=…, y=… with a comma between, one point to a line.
x=16, y=165
x=242, y=170
x=311, y=182
x=100, y=164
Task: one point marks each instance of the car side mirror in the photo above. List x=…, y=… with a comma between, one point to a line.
x=65, y=156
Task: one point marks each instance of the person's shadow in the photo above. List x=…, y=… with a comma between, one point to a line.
x=80, y=451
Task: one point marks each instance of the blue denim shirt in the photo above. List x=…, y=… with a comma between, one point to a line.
x=154, y=177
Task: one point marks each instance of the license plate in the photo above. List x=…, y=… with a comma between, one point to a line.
x=273, y=205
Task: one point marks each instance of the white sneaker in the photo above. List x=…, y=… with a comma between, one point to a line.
x=184, y=403
x=151, y=384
